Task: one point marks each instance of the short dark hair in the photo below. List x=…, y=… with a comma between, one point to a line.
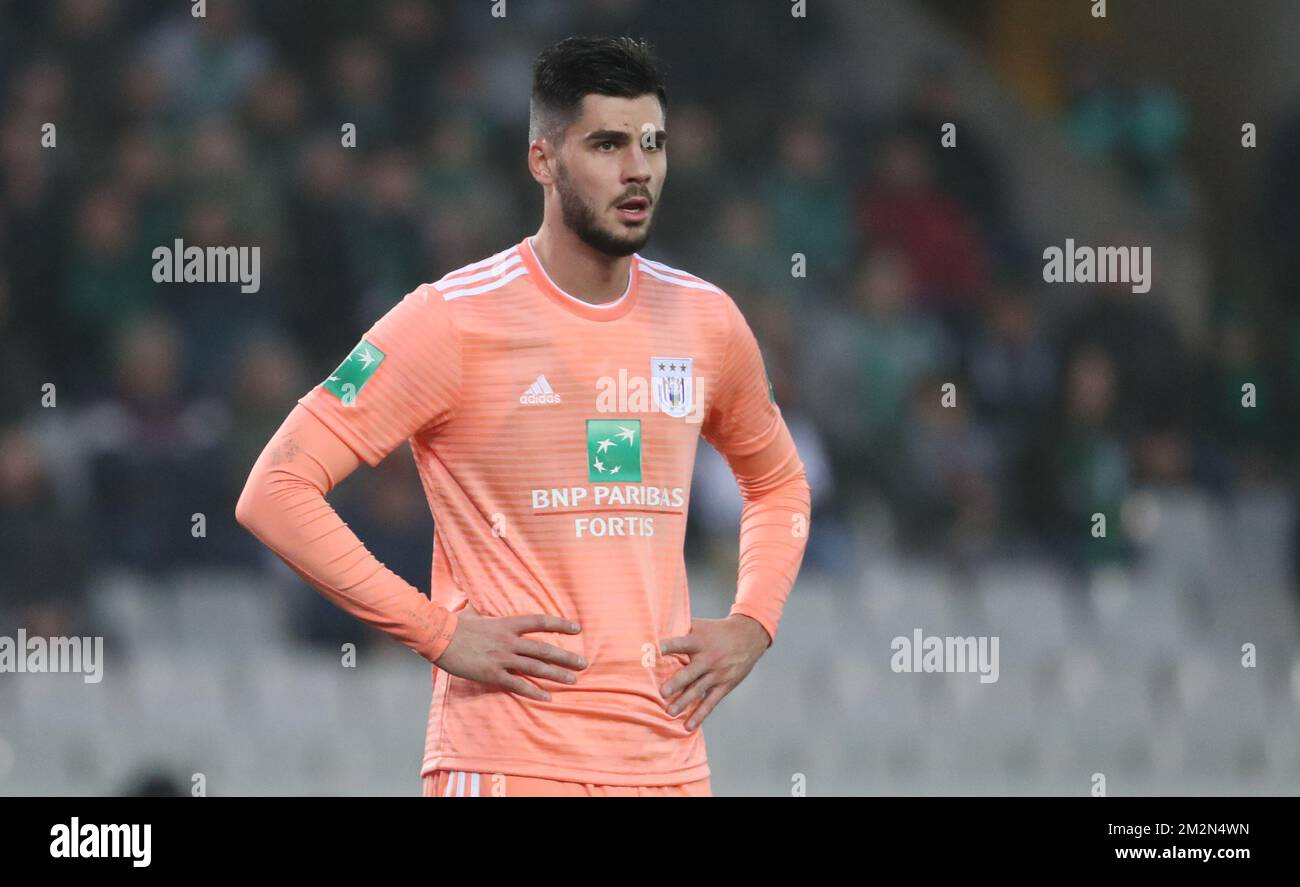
x=579, y=66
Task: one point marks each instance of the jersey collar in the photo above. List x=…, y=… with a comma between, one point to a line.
x=608, y=311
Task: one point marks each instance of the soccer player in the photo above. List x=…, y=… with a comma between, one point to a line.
x=553, y=395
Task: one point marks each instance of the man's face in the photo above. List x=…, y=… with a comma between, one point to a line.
x=610, y=172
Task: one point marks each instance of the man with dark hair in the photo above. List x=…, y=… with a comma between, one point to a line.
x=613, y=73
x=553, y=395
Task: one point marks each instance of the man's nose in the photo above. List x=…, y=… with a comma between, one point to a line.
x=637, y=168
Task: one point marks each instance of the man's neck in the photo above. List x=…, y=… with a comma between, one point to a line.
x=579, y=270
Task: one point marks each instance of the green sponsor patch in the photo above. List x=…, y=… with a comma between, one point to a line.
x=346, y=382
x=614, y=450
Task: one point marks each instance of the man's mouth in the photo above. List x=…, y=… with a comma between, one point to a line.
x=634, y=209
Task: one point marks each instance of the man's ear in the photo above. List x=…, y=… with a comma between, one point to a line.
x=541, y=161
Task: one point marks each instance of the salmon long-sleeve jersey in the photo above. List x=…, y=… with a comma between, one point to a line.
x=555, y=440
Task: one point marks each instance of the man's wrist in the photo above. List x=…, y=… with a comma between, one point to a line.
x=442, y=636
x=760, y=633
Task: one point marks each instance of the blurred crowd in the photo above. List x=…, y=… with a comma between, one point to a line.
x=226, y=130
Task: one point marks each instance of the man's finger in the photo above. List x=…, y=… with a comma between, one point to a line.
x=693, y=694
x=548, y=653
x=682, y=679
x=542, y=622
x=683, y=644
x=706, y=705
x=695, y=691
x=539, y=669
x=516, y=684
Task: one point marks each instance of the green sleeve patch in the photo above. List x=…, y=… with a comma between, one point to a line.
x=354, y=372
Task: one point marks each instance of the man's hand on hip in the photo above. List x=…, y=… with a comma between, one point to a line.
x=493, y=650
x=722, y=652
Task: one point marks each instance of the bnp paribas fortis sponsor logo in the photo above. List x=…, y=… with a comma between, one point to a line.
x=614, y=450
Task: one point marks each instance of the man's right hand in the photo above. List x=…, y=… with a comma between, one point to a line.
x=492, y=650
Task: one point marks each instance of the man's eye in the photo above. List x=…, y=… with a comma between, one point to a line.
x=603, y=144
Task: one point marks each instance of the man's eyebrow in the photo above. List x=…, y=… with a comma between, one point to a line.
x=620, y=136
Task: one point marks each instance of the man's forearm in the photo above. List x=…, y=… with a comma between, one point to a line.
x=774, y=527
x=283, y=504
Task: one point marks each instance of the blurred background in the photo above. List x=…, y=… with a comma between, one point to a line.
x=820, y=135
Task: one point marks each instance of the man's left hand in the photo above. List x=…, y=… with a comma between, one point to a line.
x=722, y=652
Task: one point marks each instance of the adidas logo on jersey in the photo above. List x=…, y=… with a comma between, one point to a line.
x=539, y=392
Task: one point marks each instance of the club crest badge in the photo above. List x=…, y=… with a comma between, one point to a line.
x=674, y=393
